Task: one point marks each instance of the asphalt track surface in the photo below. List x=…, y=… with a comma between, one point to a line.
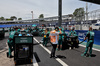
x=70, y=57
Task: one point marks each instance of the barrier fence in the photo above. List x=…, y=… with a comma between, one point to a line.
x=82, y=33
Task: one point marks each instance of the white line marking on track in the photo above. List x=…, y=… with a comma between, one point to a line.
x=92, y=48
x=34, y=62
x=59, y=60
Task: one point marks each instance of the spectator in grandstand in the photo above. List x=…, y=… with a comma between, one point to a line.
x=90, y=37
x=54, y=37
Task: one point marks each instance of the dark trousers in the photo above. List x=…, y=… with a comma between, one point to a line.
x=89, y=44
x=53, y=50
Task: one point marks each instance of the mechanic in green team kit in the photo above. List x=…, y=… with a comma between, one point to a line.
x=45, y=37
x=11, y=42
x=60, y=39
x=73, y=32
x=69, y=32
x=90, y=37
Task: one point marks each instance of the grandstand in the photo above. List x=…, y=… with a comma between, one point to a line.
x=53, y=21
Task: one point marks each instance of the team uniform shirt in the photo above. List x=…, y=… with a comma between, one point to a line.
x=12, y=33
x=61, y=35
x=72, y=33
x=11, y=36
x=90, y=35
x=27, y=31
x=69, y=33
x=54, y=37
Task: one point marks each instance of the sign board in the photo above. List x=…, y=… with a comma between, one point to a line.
x=21, y=39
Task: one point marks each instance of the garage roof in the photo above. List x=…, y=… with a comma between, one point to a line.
x=92, y=1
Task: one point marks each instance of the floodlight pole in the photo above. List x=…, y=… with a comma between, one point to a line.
x=32, y=15
x=86, y=11
x=59, y=13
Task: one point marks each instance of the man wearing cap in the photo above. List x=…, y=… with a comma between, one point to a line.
x=90, y=37
x=54, y=37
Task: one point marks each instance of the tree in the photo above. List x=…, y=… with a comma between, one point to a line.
x=79, y=14
x=8, y=19
x=13, y=18
x=19, y=18
x=41, y=16
x=2, y=18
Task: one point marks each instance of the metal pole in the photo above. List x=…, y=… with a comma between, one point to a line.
x=32, y=15
x=60, y=13
x=86, y=11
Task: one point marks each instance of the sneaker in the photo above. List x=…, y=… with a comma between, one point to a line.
x=83, y=55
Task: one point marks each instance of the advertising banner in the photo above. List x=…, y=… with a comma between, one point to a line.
x=82, y=33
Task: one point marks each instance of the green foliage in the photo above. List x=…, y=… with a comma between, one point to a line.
x=8, y=19
x=41, y=16
x=13, y=18
x=79, y=14
x=19, y=18
x=2, y=18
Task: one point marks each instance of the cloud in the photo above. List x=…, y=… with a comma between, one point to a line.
x=23, y=8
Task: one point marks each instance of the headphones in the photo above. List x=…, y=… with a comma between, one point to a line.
x=56, y=28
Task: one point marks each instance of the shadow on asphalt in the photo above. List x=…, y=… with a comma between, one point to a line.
x=4, y=50
x=78, y=50
x=36, y=57
x=36, y=43
x=60, y=56
x=49, y=45
x=93, y=55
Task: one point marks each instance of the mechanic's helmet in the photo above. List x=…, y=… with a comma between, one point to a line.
x=56, y=28
x=28, y=34
x=20, y=34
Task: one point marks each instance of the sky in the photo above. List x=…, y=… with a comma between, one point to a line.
x=23, y=8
